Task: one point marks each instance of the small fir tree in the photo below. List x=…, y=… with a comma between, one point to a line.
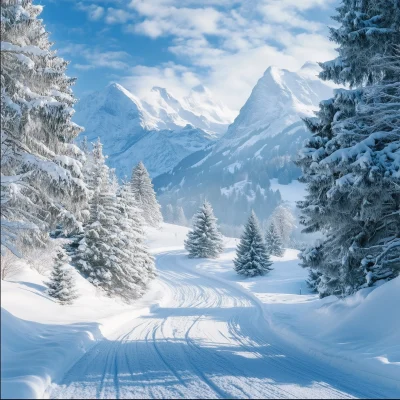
x=62, y=283
x=273, y=241
x=252, y=258
x=204, y=240
x=145, y=196
x=169, y=214
x=284, y=222
x=180, y=218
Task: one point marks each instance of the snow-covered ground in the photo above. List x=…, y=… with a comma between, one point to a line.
x=201, y=332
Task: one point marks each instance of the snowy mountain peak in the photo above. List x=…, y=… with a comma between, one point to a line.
x=310, y=70
x=200, y=89
x=158, y=127
x=163, y=93
x=279, y=98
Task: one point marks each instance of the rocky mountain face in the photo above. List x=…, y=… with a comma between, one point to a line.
x=158, y=129
x=235, y=172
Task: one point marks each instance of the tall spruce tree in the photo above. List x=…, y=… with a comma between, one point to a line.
x=252, y=257
x=62, y=283
x=204, y=240
x=131, y=225
x=145, y=196
x=350, y=164
x=40, y=165
x=273, y=241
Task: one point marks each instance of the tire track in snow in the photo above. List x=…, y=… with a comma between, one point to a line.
x=209, y=339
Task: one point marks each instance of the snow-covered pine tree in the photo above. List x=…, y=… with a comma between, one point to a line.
x=36, y=129
x=62, y=283
x=95, y=173
x=145, y=196
x=273, y=241
x=112, y=254
x=131, y=224
x=204, y=239
x=169, y=214
x=351, y=163
x=284, y=222
x=252, y=257
x=180, y=218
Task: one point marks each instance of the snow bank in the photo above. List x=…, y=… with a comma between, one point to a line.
x=360, y=332
x=41, y=339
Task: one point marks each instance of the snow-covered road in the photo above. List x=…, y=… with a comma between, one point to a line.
x=207, y=339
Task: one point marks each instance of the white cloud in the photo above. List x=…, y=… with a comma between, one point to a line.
x=94, y=11
x=96, y=58
x=177, y=78
x=117, y=16
x=225, y=44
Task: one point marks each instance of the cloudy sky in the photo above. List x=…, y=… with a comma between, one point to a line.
x=224, y=44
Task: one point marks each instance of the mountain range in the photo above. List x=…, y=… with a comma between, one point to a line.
x=193, y=153
x=158, y=128
x=235, y=173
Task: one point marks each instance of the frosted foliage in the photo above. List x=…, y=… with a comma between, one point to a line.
x=273, y=241
x=351, y=164
x=180, y=218
x=204, y=239
x=145, y=196
x=40, y=167
x=169, y=214
x=62, y=284
x=112, y=253
x=367, y=29
x=284, y=222
x=252, y=257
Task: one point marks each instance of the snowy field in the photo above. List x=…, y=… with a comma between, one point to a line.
x=201, y=332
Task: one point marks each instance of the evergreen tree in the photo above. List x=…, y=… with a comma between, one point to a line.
x=204, y=240
x=112, y=254
x=284, y=222
x=62, y=284
x=273, y=241
x=252, y=257
x=169, y=214
x=349, y=164
x=37, y=151
x=180, y=218
x=145, y=196
x=131, y=225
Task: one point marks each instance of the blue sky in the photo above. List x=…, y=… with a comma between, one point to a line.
x=177, y=44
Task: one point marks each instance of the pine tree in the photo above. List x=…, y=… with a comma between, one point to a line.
x=112, y=254
x=252, y=257
x=180, y=218
x=349, y=164
x=131, y=225
x=37, y=150
x=284, y=222
x=204, y=240
x=273, y=241
x=62, y=284
x=144, y=194
x=169, y=214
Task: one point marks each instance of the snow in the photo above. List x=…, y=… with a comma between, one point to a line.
x=279, y=99
x=41, y=339
x=157, y=128
x=202, y=331
x=292, y=192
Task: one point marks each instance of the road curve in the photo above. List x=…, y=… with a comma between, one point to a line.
x=207, y=340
